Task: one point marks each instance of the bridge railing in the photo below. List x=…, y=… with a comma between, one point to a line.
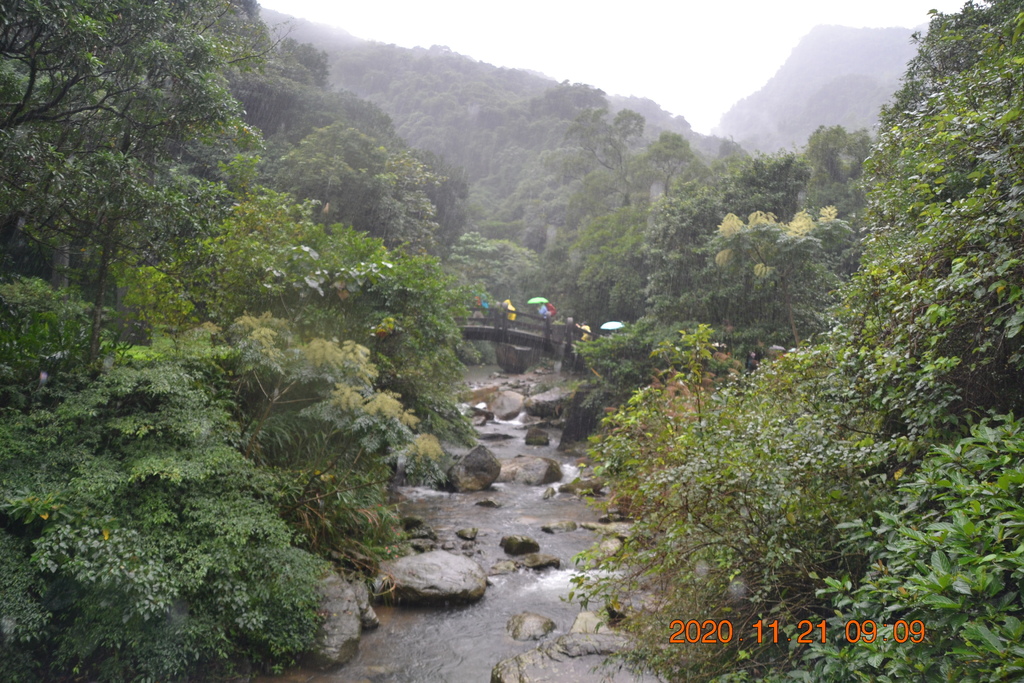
x=553, y=331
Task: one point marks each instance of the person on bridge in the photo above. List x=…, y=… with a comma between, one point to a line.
x=510, y=310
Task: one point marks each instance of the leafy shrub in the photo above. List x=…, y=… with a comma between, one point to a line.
x=140, y=539
x=736, y=496
x=946, y=553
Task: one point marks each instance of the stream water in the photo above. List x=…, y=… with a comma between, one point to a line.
x=463, y=643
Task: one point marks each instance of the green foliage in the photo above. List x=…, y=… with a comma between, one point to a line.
x=499, y=267
x=140, y=539
x=836, y=158
x=947, y=552
x=735, y=496
x=935, y=315
x=623, y=362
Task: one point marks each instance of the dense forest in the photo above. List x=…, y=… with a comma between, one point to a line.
x=232, y=262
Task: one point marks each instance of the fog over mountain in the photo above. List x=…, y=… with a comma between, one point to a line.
x=835, y=76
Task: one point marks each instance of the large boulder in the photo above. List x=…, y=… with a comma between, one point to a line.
x=581, y=419
x=474, y=471
x=436, y=577
x=338, y=639
x=571, y=657
x=551, y=403
x=507, y=405
x=517, y=544
x=530, y=470
x=529, y=626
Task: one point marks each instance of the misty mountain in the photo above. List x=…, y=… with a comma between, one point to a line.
x=835, y=76
x=496, y=123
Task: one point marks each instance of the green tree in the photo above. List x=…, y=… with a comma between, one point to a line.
x=360, y=183
x=95, y=99
x=837, y=158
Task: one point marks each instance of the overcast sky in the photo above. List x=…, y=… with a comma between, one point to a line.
x=693, y=58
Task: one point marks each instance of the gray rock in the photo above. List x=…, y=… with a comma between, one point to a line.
x=506, y=405
x=488, y=503
x=436, y=577
x=583, y=487
x=550, y=493
x=503, y=567
x=541, y=561
x=530, y=470
x=570, y=657
x=559, y=527
x=367, y=617
x=474, y=471
x=338, y=639
x=609, y=546
x=529, y=626
x=422, y=545
x=620, y=529
x=535, y=436
x=589, y=622
x=518, y=544
x=551, y=403
x=467, y=534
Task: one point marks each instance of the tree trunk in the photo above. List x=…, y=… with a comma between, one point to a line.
x=97, y=307
x=59, y=263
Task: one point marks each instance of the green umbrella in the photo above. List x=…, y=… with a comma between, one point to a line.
x=537, y=300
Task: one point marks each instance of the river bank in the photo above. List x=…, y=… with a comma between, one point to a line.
x=466, y=642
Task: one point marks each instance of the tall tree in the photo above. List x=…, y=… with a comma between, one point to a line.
x=96, y=99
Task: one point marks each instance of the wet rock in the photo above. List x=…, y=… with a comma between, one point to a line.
x=535, y=436
x=422, y=545
x=494, y=437
x=559, y=527
x=448, y=545
x=503, y=567
x=338, y=639
x=412, y=522
x=589, y=622
x=567, y=658
x=367, y=617
x=551, y=403
x=620, y=529
x=467, y=534
x=581, y=420
x=506, y=405
x=474, y=471
x=436, y=577
x=583, y=487
x=530, y=470
x=519, y=545
x=488, y=503
x=541, y=561
x=609, y=546
x=611, y=517
x=529, y=626
x=550, y=493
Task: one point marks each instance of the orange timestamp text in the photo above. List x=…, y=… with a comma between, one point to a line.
x=807, y=632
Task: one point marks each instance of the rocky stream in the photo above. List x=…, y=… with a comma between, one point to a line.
x=484, y=598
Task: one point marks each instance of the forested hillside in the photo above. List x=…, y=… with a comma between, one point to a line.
x=836, y=76
x=206, y=382
x=852, y=510
x=228, y=301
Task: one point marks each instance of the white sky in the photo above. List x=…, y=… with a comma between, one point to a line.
x=693, y=58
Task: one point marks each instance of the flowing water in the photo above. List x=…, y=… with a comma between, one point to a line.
x=463, y=643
